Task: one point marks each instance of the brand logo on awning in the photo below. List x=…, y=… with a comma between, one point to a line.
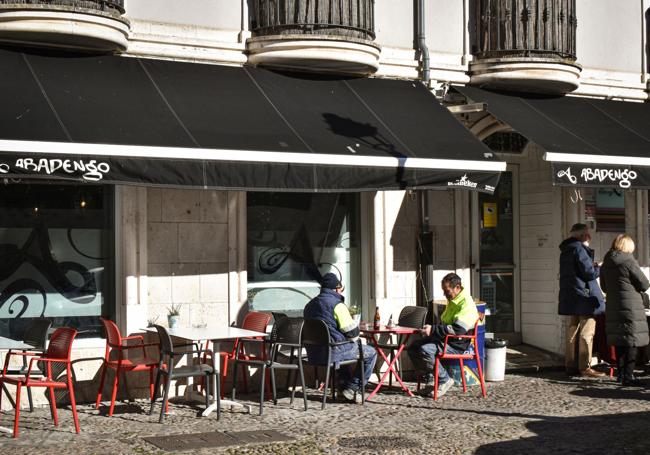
x=621, y=177
x=90, y=170
x=463, y=181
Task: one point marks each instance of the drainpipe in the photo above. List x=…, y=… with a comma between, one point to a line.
x=426, y=271
x=422, y=44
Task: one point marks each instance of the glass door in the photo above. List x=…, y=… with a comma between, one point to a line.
x=496, y=275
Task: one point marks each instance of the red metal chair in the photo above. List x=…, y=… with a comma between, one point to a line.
x=58, y=351
x=116, y=348
x=256, y=321
x=444, y=355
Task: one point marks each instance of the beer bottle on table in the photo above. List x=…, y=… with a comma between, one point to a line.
x=377, y=319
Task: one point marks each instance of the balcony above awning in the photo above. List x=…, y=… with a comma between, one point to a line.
x=590, y=142
x=136, y=121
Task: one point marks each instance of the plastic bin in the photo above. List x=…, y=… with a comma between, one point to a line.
x=495, y=364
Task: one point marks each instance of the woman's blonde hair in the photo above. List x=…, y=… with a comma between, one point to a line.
x=624, y=243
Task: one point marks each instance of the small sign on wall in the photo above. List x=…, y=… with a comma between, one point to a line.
x=489, y=214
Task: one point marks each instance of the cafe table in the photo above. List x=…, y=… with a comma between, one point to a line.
x=5, y=345
x=217, y=335
x=373, y=333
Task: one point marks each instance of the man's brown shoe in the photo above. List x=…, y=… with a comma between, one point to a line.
x=591, y=373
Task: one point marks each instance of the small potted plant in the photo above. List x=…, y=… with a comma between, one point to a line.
x=173, y=315
x=152, y=321
x=355, y=313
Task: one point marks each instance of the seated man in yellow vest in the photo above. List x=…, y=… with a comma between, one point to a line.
x=458, y=319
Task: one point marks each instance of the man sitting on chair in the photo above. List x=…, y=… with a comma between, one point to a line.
x=459, y=318
x=328, y=306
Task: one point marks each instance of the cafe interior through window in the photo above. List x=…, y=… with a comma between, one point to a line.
x=605, y=216
x=56, y=255
x=294, y=239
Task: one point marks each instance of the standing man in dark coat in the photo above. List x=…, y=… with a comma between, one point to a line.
x=580, y=298
x=626, y=325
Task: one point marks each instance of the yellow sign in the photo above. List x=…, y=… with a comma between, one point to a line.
x=489, y=214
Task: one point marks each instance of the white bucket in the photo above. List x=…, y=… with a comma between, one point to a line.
x=495, y=360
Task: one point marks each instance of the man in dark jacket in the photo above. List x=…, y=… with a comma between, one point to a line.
x=329, y=307
x=580, y=298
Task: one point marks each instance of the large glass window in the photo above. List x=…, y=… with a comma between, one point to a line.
x=295, y=238
x=605, y=215
x=56, y=255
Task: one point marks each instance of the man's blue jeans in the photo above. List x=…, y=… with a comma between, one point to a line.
x=347, y=375
x=423, y=355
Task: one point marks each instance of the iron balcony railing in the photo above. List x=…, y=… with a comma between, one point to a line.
x=522, y=28
x=340, y=18
x=115, y=7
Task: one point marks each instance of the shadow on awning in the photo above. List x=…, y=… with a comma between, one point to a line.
x=149, y=122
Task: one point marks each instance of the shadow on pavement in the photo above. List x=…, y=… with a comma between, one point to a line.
x=598, y=434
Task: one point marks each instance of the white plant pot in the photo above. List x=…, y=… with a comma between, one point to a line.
x=173, y=321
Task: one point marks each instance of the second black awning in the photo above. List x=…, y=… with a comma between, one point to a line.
x=127, y=120
x=589, y=142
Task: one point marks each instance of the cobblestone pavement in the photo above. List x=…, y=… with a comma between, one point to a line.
x=545, y=413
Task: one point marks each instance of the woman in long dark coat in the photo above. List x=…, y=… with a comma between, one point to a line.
x=623, y=282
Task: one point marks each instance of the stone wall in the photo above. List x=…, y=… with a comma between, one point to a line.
x=188, y=255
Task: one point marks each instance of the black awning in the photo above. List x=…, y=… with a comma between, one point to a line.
x=589, y=142
x=129, y=120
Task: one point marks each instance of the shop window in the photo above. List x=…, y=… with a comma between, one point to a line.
x=292, y=240
x=56, y=256
x=605, y=207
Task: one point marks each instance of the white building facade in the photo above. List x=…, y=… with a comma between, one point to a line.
x=220, y=253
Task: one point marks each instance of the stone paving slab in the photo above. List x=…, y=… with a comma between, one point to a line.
x=542, y=414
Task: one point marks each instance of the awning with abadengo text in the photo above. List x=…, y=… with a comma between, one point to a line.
x=122, y=120
x=589, y=142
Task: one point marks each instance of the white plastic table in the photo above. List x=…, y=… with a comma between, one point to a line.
x=6, y=344
x=216, y=335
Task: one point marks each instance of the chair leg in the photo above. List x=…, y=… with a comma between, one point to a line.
x=217, y=395
x=262, y=381
x=302, y=384
x=462, y=375
x=101, y=386
x=271, y=372
x=234, y=380
x=327, y=378
x=206, y=389
x=390, y=374
x=2, y=389
x=289, y=372
x=435, y=379
x=151, y=388
x=73, y=404
x=480, y=375
x=156, y=389
x=116, y=384
x=362, y=377
x=224, y=373
x=29, y=398
x=168, y=384
x=17, y=410
x=55, y=414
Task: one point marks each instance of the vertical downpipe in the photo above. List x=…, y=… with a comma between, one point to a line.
x=422, y=43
